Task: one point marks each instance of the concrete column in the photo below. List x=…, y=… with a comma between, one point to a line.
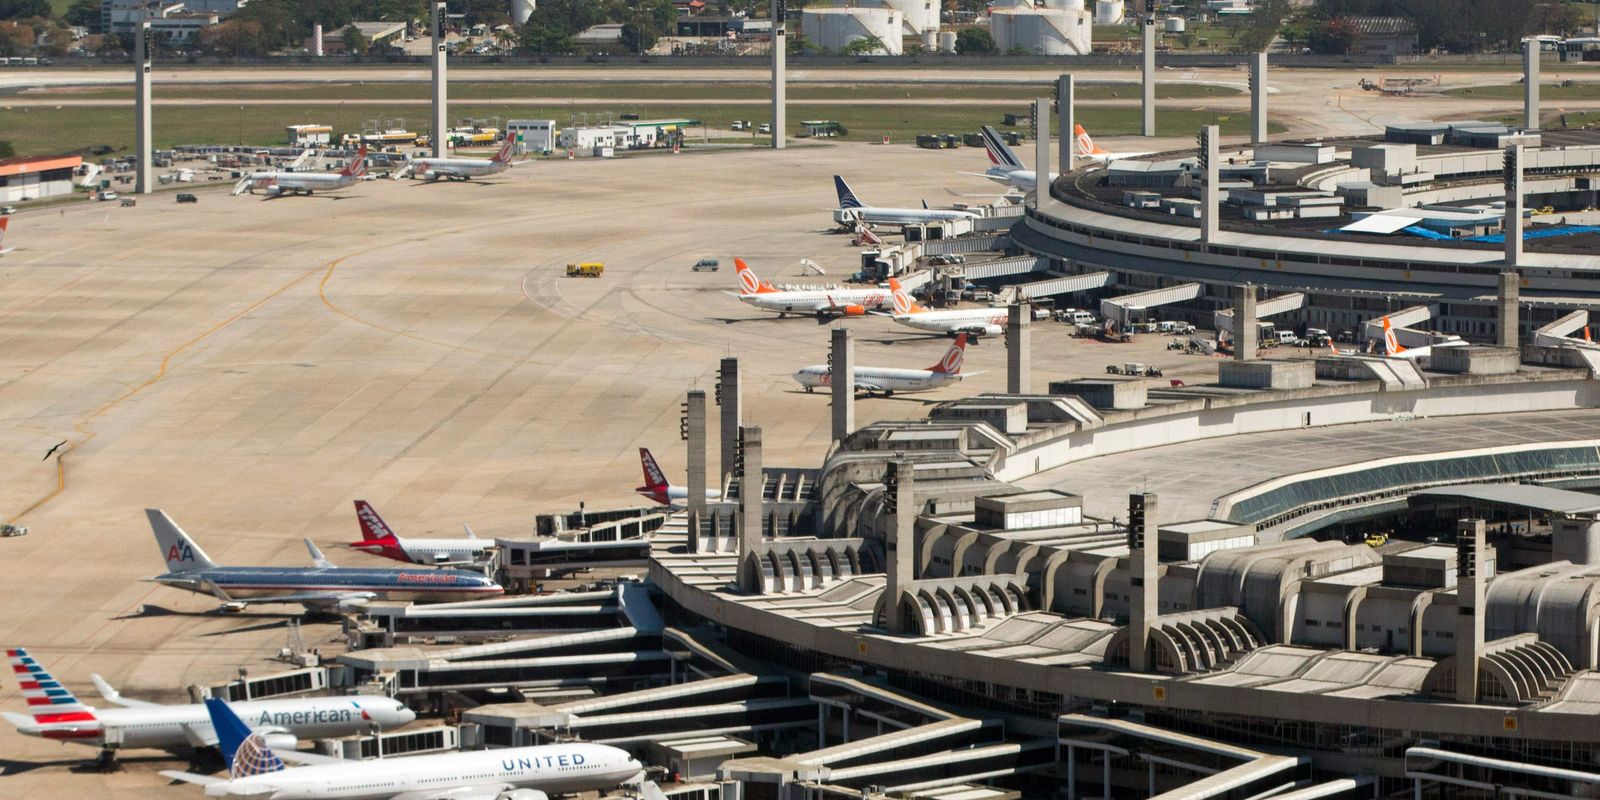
x=695, y=433
x=1211, y=197
x=1513, y=220
x=750, y=485
x=1470, y=584
x=441, y=128
x=1147, y=95
x=780, y=55
x=901, y=545
x=842, y=362
x=1142, y=573
x=1258, y=97
x=1510, y=334
x=1019, y=358
x=1530, y=84
x=1041, y=152
x=1066, y=126
x=144, y=180
x=728, y=398
x=1244, y=323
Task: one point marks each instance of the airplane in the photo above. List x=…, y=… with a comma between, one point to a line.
x=1393, y=349
x=1089, y=150
x=381, y=540
x=320, y=586
x=1008, y=168
x=279, y=183
x=888, y=381
x=973, y=322
x=657, y=488
x=56, y=713
x=5, y=221
x=824, y=303
x=257, y=770
x=852, y=209
x=458, y=169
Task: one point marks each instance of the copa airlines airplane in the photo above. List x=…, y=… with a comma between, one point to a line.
x=657, y=488
x=824, y=303
x=57, y=714
x=974, y=322
x=278, y=183
x=1088, y=149
x=379, y=539
x=321, y=585
x=851, y=208
x=458, y=169
x=516, y=773
x=888, y=381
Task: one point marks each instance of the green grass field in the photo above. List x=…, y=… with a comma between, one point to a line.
x=35, y=131
x=1553, y=92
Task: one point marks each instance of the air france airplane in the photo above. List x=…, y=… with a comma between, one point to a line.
x=887, y=381
x=379, y=539
x=658, y=488
x=851, y=208
x=57, y=714
x=824, y=303
x=517, y=773
x=1007, y=167
x=458, y=169
x=972, y=322
x=321, y=585
x=277, y=183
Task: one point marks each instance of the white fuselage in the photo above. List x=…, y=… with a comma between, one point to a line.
x=810, y=301
x=872, y=215
x=429, y=551
x=435, y=168
x=552, y=769
x=186, y=725
x=1016, y=177
x=300, y=181
x=879, y=379
x=980, y=321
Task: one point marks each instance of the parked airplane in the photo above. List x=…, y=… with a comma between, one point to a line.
x=4, y=223
x=321, y=585
x=458, y=169
x=381, y=540
x=516, y=773
x=58, y=714
x=1088, y=149
x=658, y=488
x=973, y=322
x=1393, y=348
x=278, y=183
x=852, y=209
x=1007, y=167
x=824, y=303
x=888, y=381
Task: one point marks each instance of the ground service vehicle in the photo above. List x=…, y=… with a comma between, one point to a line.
x=188, y=198
x=588, y=269
x=706, y=265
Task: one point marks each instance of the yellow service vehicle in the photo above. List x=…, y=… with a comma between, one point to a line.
x=588, y=269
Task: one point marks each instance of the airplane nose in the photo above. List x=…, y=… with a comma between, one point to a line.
x=405, y=715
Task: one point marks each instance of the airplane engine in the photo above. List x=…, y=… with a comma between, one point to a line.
x=522, y=794
x=281, y=741
x=430, y=175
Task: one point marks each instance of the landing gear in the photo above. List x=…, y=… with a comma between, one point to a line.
x=107, y=761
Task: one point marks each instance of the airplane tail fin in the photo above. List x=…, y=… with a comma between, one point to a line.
x=357, y=166
x=5, y=222
x=48, y=701
x=317, y=558
x=373, y=528
x=903, y=304
x=1086, y=145
x=749, y=283
x=951, y=363
x=246, y=752
x=177, y=549
x=1391, y=344
x=999, y=153
x=504, y=156
x=847, y=198
x=1586, y=334
x=654, y=478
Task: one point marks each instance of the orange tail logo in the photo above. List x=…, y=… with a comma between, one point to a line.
x=951, y=363
x=1391, y=345
x=1086, y=145
x=902, y=301
x=748, y=282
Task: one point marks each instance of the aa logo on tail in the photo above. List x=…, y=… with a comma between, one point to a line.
x=180, y=551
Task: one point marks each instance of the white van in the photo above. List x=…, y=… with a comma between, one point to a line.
x=1287, y=338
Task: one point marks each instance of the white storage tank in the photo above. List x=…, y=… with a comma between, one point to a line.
x=1043, y=31
x=1108, y=12
x=521, y=10
x=835, y=28
x=916, y=16
x=930, y=40
x=1176, y=25
x=947, y=41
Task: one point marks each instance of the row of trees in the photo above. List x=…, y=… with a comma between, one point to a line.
x=1456, y=25
x=554, y=26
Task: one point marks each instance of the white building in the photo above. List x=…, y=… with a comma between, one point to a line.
x=917, y=17
x=309, y=135
x=587, y=138
x=532, y=135
x=33, y=177
x=836, y=28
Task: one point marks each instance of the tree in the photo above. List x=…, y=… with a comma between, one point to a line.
x=1336, y=37
x=505, y=37
x=354, y=42
x=637, y=38
x=6, y=149
x=23, y=9
x=800, y=45
x=975, y=42
x=235, y=37
x=15, y=38
x=84, y=13
x=864, y=46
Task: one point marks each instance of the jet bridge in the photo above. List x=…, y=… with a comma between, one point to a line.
x=1403, y=323
x=1223, y=320
x=1121, y=309
x=1049, y=287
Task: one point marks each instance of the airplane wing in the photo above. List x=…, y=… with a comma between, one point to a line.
x=115, y=697
x=317, y=557
x=311, y=759
x=200, y=735
x=867, y=386
x=308, y=599
x=190, y=777
x=484, y=791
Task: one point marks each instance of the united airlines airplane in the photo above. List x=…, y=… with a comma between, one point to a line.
x=320, y=586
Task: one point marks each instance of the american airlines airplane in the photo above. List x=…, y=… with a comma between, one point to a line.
x=319, y=586
x=658, y=488
x=851, y=208
x=58, y=714
x=824, y=303
x=974, y=322
x=458, y=169
x=278, y=183
x=516, y=773
x=888, y=381
x=379, y=539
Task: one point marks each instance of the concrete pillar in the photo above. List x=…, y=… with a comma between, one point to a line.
x=780, y=55
x=1258, y=97
x=728, y=398
x=1470, y=584
x=1244, y=323
x=1530, y=84
x=1510, y=334
x=1041, y=152
x=1019, y=358
x=441, y=128
x=1142, y=573
x=1211, y=193
x=1147, y=94
x=1066, y=126
x=1575, y=539
x=750, y=485
x=144, y=177
x=901, y=545
x=1513, y=221
x=316, y=40
x=694, y=427
x=842, y=381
